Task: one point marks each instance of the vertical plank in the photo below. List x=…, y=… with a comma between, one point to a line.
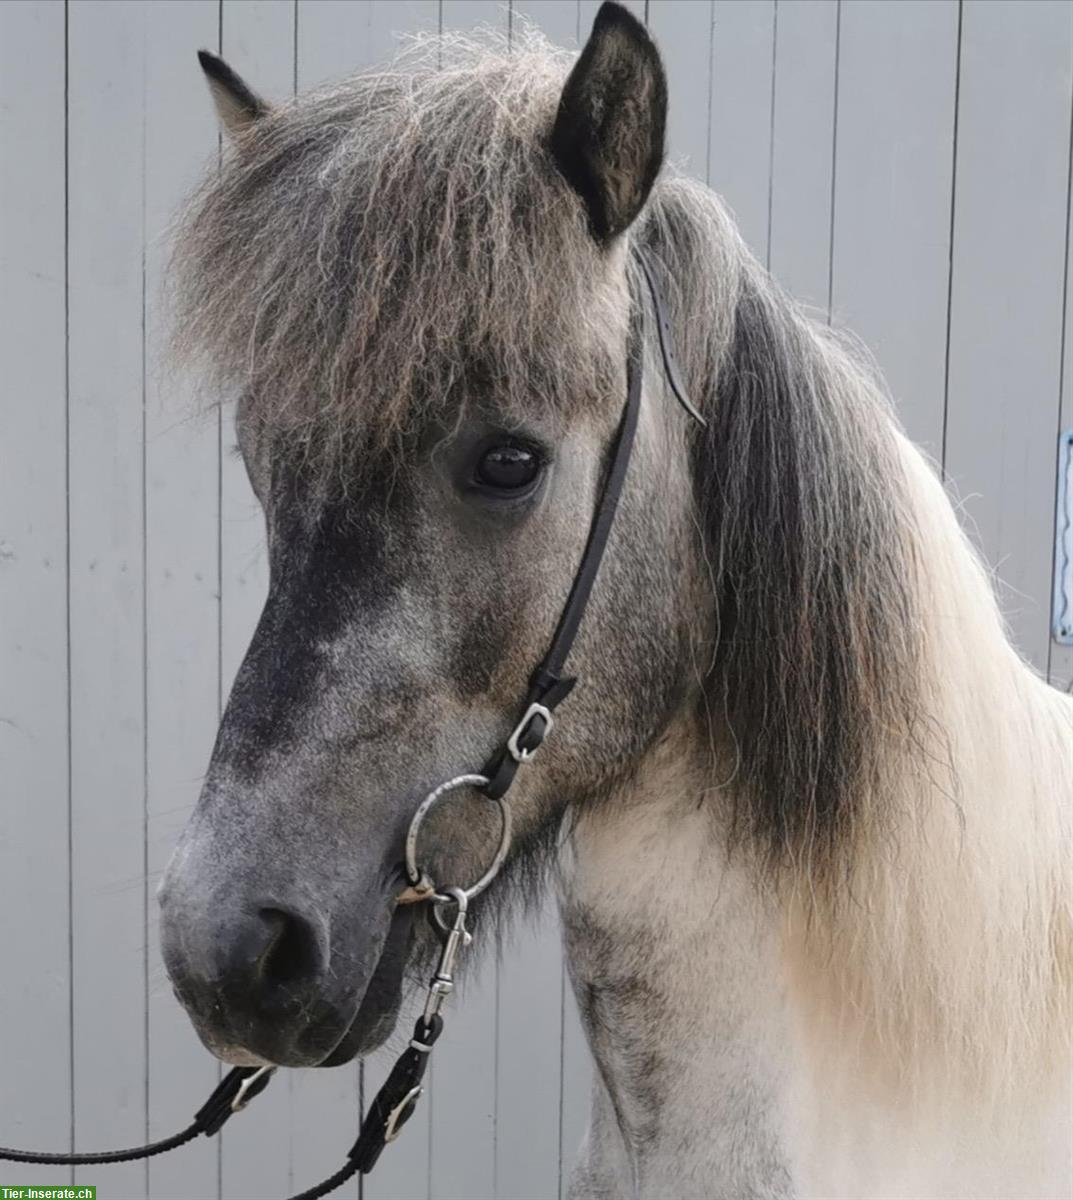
x=558, y=20
x=739, y=149
x=267, y=1153
x=893, y=177
x=1060, y=661
x=109, y=916
x=683, y=30
x=529, y=1062
x=802, y=158
x=182, y=481
x=338, y=39
x=1006, y=297
x=35, y=1033
x=469, y=14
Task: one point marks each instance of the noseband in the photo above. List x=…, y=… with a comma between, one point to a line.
x=548, y=688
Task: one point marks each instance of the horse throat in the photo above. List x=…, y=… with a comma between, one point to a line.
x=674, y=961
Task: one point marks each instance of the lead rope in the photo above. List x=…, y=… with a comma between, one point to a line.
x=231, y=1095
x=395, y=1102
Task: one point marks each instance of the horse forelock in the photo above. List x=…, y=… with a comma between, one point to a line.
x=397, y=245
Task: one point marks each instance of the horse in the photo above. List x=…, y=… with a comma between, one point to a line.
x=806, y=811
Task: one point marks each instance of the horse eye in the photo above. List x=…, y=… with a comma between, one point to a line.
x=507, y=468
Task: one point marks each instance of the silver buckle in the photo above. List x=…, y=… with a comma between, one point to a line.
x=534, y=710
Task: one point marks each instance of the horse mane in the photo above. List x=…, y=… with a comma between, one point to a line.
x=401, y=241
x=814, y=687
x=896, y=770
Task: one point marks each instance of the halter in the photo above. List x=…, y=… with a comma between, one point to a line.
x=548, y=687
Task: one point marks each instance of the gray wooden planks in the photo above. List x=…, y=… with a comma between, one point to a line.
x=830, y=128
x=182, y=585
x=1060, y=662
x=684, y=30
x=739, y=147
x=107, y=601
x=1006, y=301
x=35, y=1032
x=894, y=174
x=802, y=151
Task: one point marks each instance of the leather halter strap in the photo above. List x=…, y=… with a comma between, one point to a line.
x=548, y=686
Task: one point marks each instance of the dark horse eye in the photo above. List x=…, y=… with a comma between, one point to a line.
x=507, y=468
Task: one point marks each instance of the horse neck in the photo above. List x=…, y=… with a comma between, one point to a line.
x=754, y=1041
x=674, y=961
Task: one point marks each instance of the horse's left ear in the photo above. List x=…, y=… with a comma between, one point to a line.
x=608, y=134
x=237, y=105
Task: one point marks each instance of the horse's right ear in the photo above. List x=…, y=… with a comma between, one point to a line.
x=237, y=105
x=608, y=134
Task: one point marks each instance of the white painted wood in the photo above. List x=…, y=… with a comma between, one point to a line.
x=337, y=39
x=35, y=1030
x=1006, y=307
x=890, y=272
x=684, y=30
x=1060, y=663
x=802, y=153
x=182, y=683
x=558, y=20
x=109, y=902
x=739, y=153
x=529, y=1062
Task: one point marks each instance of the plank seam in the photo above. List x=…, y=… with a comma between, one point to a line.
x=1061, y=385
x=771, y=132
x=834, y=166
x=67, y=557
x=950, y=244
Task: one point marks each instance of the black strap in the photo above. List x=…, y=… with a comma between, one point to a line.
x=547, y=685
x=394, y=1103
x=666, y=337
x=209, y=1119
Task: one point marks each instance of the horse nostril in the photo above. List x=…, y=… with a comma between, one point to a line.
x=291, y=955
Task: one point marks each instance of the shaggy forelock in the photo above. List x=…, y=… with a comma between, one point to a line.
x=397, y=244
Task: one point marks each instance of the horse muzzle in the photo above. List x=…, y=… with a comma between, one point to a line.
x=268, y=983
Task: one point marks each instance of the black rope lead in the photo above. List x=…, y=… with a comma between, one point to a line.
x=237, y=1088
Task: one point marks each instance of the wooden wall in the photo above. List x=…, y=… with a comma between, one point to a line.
x=902, y=165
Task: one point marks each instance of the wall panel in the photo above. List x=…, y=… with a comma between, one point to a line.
x=903, y=166
x=890, y=271
x=1006, y=301
x=182, y=566
x=35, y=1032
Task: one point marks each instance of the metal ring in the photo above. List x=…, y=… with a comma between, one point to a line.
x=415, y=873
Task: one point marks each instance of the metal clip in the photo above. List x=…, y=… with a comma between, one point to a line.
x=242, y=1096
x=399, y=1114
x=457, y=937
x=519, y=753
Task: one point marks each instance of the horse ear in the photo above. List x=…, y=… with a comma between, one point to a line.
x=608, y=134
x=237, y=105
